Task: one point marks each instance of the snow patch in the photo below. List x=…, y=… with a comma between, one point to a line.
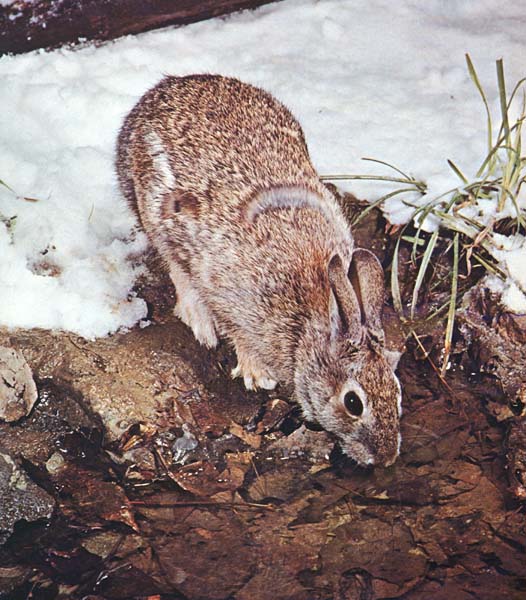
x=367, y=78
x=512, y=256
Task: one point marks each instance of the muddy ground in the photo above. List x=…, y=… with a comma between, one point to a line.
x=144, y=471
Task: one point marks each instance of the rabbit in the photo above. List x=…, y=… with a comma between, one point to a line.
x=259, y=252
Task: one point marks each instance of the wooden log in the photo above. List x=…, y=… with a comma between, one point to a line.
x=28, y=25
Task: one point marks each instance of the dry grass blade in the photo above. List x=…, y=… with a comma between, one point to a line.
x=503, y=99
x=377, y=203
x=452, y=306
x=428, y=358
x=490, y=267
x=413, y=240
x=395, y=285
x=415, y=184
x=391, y=166
x=457, y=171
x=7, y=186
x=422, y=270
x=476, y=81
x=366, y=178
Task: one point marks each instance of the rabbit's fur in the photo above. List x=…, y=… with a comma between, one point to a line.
x=259, y=252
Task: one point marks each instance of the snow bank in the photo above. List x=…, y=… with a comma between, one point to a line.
x=367, y=78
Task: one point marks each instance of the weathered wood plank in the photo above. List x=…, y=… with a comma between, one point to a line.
x=26, y=25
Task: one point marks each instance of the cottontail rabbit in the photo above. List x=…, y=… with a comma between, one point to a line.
x=259, y=252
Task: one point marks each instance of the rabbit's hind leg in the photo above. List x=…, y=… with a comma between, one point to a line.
x=191, y=309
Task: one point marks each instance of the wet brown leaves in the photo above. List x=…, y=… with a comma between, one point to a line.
x=207, y=502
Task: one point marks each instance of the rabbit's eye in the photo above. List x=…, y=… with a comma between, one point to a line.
x=353, y=404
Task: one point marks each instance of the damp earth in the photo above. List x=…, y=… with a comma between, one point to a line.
x=144, y=471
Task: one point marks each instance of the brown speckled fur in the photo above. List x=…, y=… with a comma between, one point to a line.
x=219, y=174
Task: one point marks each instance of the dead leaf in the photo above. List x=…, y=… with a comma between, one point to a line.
x=251, y=439
x=275, y=411
x=86, y=497
x=203, y=479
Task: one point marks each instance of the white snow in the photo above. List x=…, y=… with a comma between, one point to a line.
x=365, y=78
x=511, y=252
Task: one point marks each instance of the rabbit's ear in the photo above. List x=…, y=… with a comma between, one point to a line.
x=367, y=279
x=344, y=308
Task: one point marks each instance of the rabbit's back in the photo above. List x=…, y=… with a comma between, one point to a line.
x=214, y=137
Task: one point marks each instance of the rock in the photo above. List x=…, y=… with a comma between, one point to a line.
x=20, y=498
x=18, y=392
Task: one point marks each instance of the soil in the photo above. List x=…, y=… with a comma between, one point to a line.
x=144, y=471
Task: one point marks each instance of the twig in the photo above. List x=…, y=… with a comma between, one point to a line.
x=434, y=367
x=202, y=503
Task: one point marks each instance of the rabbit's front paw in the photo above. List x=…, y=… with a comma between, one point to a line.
x=254, y=378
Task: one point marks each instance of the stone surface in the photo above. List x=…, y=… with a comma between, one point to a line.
x=18, y=391
x=20, y=498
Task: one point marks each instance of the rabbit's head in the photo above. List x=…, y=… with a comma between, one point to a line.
x=344, y=377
